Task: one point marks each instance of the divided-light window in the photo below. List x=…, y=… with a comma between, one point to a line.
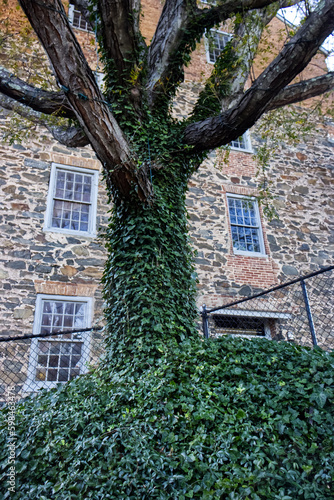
x=77, y=20
x=245, y=225
x=58, y=358
x=242, y=143
x=216, y=42
x=72, y=197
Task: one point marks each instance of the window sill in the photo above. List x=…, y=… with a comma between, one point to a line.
x=65, y=232
x=250, y=254
x=240, y=150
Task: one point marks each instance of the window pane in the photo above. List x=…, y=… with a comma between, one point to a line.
x=72, y=201
x=245, y=227
x=57, y=355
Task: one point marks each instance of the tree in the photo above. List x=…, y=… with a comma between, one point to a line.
x=147, y=156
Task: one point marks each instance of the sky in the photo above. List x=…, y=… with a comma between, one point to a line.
x=292, y=14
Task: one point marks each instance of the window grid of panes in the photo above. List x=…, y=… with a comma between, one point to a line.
x=59, y=357
x=239, y=143
x=217, y=42
x=72, y=200
x=78, y=21
x=244, y=225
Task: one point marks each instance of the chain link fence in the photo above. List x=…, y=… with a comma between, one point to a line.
x=31, y=362
x=301, y=311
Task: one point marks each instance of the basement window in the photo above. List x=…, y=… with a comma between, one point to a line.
x=241, y=327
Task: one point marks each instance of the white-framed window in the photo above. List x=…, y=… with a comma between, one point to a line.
x=77, y=20
x=59, y=358
x=72, y=200
x=242, y=143
x=215, y=43
x=245, y=224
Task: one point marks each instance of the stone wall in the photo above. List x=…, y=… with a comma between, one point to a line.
x=33, y=260
x=299, y=242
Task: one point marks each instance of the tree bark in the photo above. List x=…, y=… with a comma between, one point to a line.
x=43, y=101
x=93, y=114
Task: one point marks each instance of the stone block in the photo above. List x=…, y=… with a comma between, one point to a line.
x=40, y=268
x=93, y=272
x=16, y=264
x=23, y=313
x=41, y=165
x=290, y=270
x=68, y=271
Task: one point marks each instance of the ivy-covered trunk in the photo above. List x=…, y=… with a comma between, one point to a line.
x=149, y=280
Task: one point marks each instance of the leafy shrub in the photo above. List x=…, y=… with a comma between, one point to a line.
x=232, y=419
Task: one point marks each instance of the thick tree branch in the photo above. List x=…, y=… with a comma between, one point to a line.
x=121, y=38
x=294, y=57
x=180, y=25
x=50, y=103
x=303, y=90
x=168, y=36
x=245, y=42
x=72, y=71
x=220, y=13
x=71, y=137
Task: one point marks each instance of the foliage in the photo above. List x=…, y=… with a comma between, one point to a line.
x=228, y=418
x=285, y=126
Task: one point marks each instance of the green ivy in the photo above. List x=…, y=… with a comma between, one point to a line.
x=231, y=418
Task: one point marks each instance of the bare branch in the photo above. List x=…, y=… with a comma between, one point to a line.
x=303, y=90
x=68, y=136
x=294, y=57
x=40, y=100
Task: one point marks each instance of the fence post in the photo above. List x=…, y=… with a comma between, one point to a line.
x=309, y=313
x=205, y=324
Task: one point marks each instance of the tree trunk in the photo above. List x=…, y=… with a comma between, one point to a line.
x=149, y=282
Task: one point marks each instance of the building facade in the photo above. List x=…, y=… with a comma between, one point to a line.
x=54, y=211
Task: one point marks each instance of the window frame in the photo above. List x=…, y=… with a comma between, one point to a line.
x=71, y=9
x=207, y=43
x=259, y=228
x=91, y=231
x=246, y=135
x=246, y=317
x=248, y=144
x=31, y=384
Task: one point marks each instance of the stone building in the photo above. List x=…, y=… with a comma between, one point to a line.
x=54, y=211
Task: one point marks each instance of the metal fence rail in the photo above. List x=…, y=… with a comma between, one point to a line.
x=300, y=311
